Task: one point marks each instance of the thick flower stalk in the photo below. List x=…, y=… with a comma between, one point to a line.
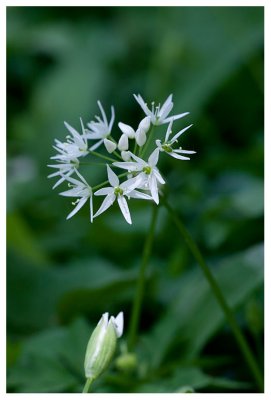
x=142, y=178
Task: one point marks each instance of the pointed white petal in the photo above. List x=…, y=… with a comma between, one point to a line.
x=127, y=130
x=72, y=130
x=158, y=176
x=169, y=130
x=112, y=177
x=166, y=108
x=112, y=119
x=175, y=137
x=129, y=165
x=135, y=194
x=178, y=156
x=159, y=144
x=174, y=117
x=104, y=191
x=102, y=112
x=153, y=159
x=141, y=162
x=142, y=104
x=154, y=188
x=96, y=145
x=80, y=204
x=92, y=135
x=124, y=209
x=118, y=323
x=108, y=201
x=91, y=208
x=180, y=151
x=130, y=184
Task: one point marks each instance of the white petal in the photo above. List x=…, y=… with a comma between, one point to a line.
x=74, y=132
x=112, y=118
x=118, y=323
x=129, y=165
x=154, y=188
x=112, y=177
x=108, y=201
x=153, y=159
x=123, y=142
x=102, y=112
x=109, y=145
x=158, y=176
x=93, y=136
x=169, y=130
x=80, y=204
x=104, y=191
x=159, y=144
x=178, y=156
x=166, y=107
x=127, y=130
x=142, y=104
x=124, y=209
x=174, y=117
x=141, y=162
x=175, y=137
x=91, y=208
x=130, y=184
x=180, y=151
x=135, y=194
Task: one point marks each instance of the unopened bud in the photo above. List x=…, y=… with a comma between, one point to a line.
x=109, y=145
x=125, y=155
x=140, y=137
x=102, y=344
x=145, y=124
x=127, y=130
x=123, y=143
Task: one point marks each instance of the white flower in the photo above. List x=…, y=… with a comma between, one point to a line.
x=100, y=129
x=166, y=146
x=65, y=169
x=148, y=175
x=75, y=146
x=118, y=191
x=159, y=115
x=110, y=146
x=102, y=344
x=82, y=191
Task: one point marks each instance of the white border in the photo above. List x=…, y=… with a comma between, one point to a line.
x=267, y=5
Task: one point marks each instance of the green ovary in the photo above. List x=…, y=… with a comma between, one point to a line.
x=167, y=148
x=118, y=191
x=147, y=170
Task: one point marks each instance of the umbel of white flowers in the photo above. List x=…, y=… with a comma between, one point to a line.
x=142, y=179
x=102, y=345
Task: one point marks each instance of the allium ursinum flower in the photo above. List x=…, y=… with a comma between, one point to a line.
x=166, y=146
x=157, y=114
x=65, y=169
x=100, y=129
x=82, y=191
x=148, y=174
x=102, y=345
x=117, y=192
x=76, y=145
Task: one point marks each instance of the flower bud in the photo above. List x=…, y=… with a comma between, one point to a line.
x=123, y=144
x=109, y=145
x=102, y=344
x=145, y=124
x=140, y=137
x=127, y=130
x=125, y=155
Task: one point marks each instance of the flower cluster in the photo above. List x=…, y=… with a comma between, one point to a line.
x=141, y=179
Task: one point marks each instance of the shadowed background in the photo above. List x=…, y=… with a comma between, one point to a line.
x=62, y=275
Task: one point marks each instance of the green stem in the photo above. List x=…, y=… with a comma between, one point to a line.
x=94, y=153
x=87, y=385
x=106, y=182
x=145, y=147
x=241, y=341
x=132, y=334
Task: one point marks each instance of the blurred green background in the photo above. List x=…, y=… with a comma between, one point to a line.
x=62, y=275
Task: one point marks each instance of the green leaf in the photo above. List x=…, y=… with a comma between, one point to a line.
x=194, y=315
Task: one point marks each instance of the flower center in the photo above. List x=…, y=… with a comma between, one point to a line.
x=147, y=170
x=118, y=191
x=167, y=148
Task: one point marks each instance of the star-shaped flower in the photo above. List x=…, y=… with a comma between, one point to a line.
x=82, y=191
x=100, y=129
x=117, y=192
x=166, y=146
x=148, y=176
x=159, y=115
